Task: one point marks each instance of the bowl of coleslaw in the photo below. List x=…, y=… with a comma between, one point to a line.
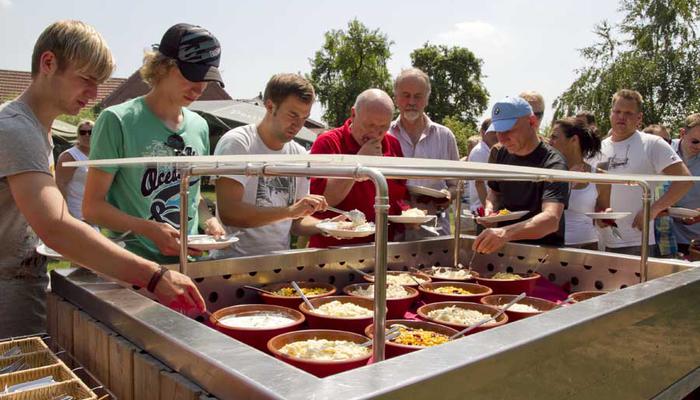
x=435, y=292
x=461, y=314
x=398, y=298
x=344, y=313
x=527, y=307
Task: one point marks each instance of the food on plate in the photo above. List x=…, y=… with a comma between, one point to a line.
x=352, y=226
x=457, y=315
x=392, y=291
x=506, y=276
x=519, y=307
x=419, y=337
x=413, y=212
x=404, y=278
x=261, y=320
x=290, y=292
x=344, y=310
x=444, y=273
x=325, y=350
x=451, y=290
x=503, y=211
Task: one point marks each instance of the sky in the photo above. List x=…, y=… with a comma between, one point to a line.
x=524, y=44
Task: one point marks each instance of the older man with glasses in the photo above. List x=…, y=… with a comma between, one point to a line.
x=146, y=201
x=688, y=148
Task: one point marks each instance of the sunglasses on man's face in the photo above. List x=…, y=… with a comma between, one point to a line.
x=176, y=143
x=85, y=131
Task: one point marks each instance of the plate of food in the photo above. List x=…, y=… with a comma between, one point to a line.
x=411, y=216
x=346, y=229
x=426, y=191
x=502, y=216
x=680, y=212
x=206, y=242
x=607, y=215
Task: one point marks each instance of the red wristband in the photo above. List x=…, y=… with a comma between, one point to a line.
x=156, y=278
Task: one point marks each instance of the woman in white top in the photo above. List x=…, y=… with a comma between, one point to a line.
x=576, y=142
x=71, y=180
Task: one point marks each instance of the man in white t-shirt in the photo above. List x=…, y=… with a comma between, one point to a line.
x=480, y=153
x=269, y=209
x=628, y=151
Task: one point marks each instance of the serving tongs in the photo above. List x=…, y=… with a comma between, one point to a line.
x=357, y=217
x=487, y=320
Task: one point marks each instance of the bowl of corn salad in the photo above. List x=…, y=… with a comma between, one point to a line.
x=398, y=298
x=415, y=335
x=509, y=283
x=321, y=352
x=344, y=313
x=286, y=296
x=435, y=292
x=527, y=307
x=461, y=314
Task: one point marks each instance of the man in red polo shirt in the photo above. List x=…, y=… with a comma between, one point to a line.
x=365, y=133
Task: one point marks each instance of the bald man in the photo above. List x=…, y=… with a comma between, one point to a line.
x=364, y=133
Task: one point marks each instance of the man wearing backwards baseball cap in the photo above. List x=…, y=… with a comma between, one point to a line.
x=146, y=201
x=516, y=129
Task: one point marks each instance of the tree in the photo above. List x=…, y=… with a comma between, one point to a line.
x=455, y=76
x=348, y=63
x=656, y=55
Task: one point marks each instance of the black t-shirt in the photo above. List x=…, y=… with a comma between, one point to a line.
x=525, y=195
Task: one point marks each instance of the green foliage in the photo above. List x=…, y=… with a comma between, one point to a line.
x=85, y=113
x=455, y=76
x=349, y=62
x=462, y=131
x=656, y=54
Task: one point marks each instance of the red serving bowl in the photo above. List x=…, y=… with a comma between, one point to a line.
x=482, y=308
x=585, y=295
x=396, y=308
x=318, y=367
x=294, y=301
x=320, y=321
x=431, y=273
x=499, y=300
x=396, y=349
x=255, y=337
x=502, y=286
x=425, y=278
x=477, y=292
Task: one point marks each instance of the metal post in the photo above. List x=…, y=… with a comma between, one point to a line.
x=646, y=213
x=458, y=223
x=381, y=237
x=184, y=187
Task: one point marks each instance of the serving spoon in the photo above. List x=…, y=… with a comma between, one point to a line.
x=356, y=216
x=486, y=320
x=259, y=290
x=303, y=296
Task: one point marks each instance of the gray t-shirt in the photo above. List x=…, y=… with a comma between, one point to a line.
x=24, y=147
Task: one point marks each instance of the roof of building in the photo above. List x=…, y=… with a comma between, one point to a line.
x=13, y=83
x=134, y=87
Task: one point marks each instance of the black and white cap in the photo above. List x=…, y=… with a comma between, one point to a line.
x=196, y=51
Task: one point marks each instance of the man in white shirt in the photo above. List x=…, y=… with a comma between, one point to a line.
x=480, y=153
x=269, y=209
x=628, y=151
x=422, y=138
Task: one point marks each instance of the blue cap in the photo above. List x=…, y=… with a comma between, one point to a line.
x=506, y=112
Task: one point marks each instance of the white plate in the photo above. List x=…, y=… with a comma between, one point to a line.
x=680, y=212
x=426, y=191
x=402, y=219
x=607, y=215
x=331, y=228
x=206, y=242
x=47, y=251
x=502, y=218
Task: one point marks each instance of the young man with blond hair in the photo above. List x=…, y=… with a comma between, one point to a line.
x=146, y=201
x=536, y=102
x=269, y=209
x=68, y=62
x=629, y=151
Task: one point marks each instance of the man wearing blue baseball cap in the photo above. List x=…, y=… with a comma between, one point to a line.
x=516, y=129
x=146, y=201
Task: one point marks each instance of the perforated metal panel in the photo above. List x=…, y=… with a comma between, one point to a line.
x=221, y=281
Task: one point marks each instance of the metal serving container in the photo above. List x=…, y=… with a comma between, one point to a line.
x=642, y=340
